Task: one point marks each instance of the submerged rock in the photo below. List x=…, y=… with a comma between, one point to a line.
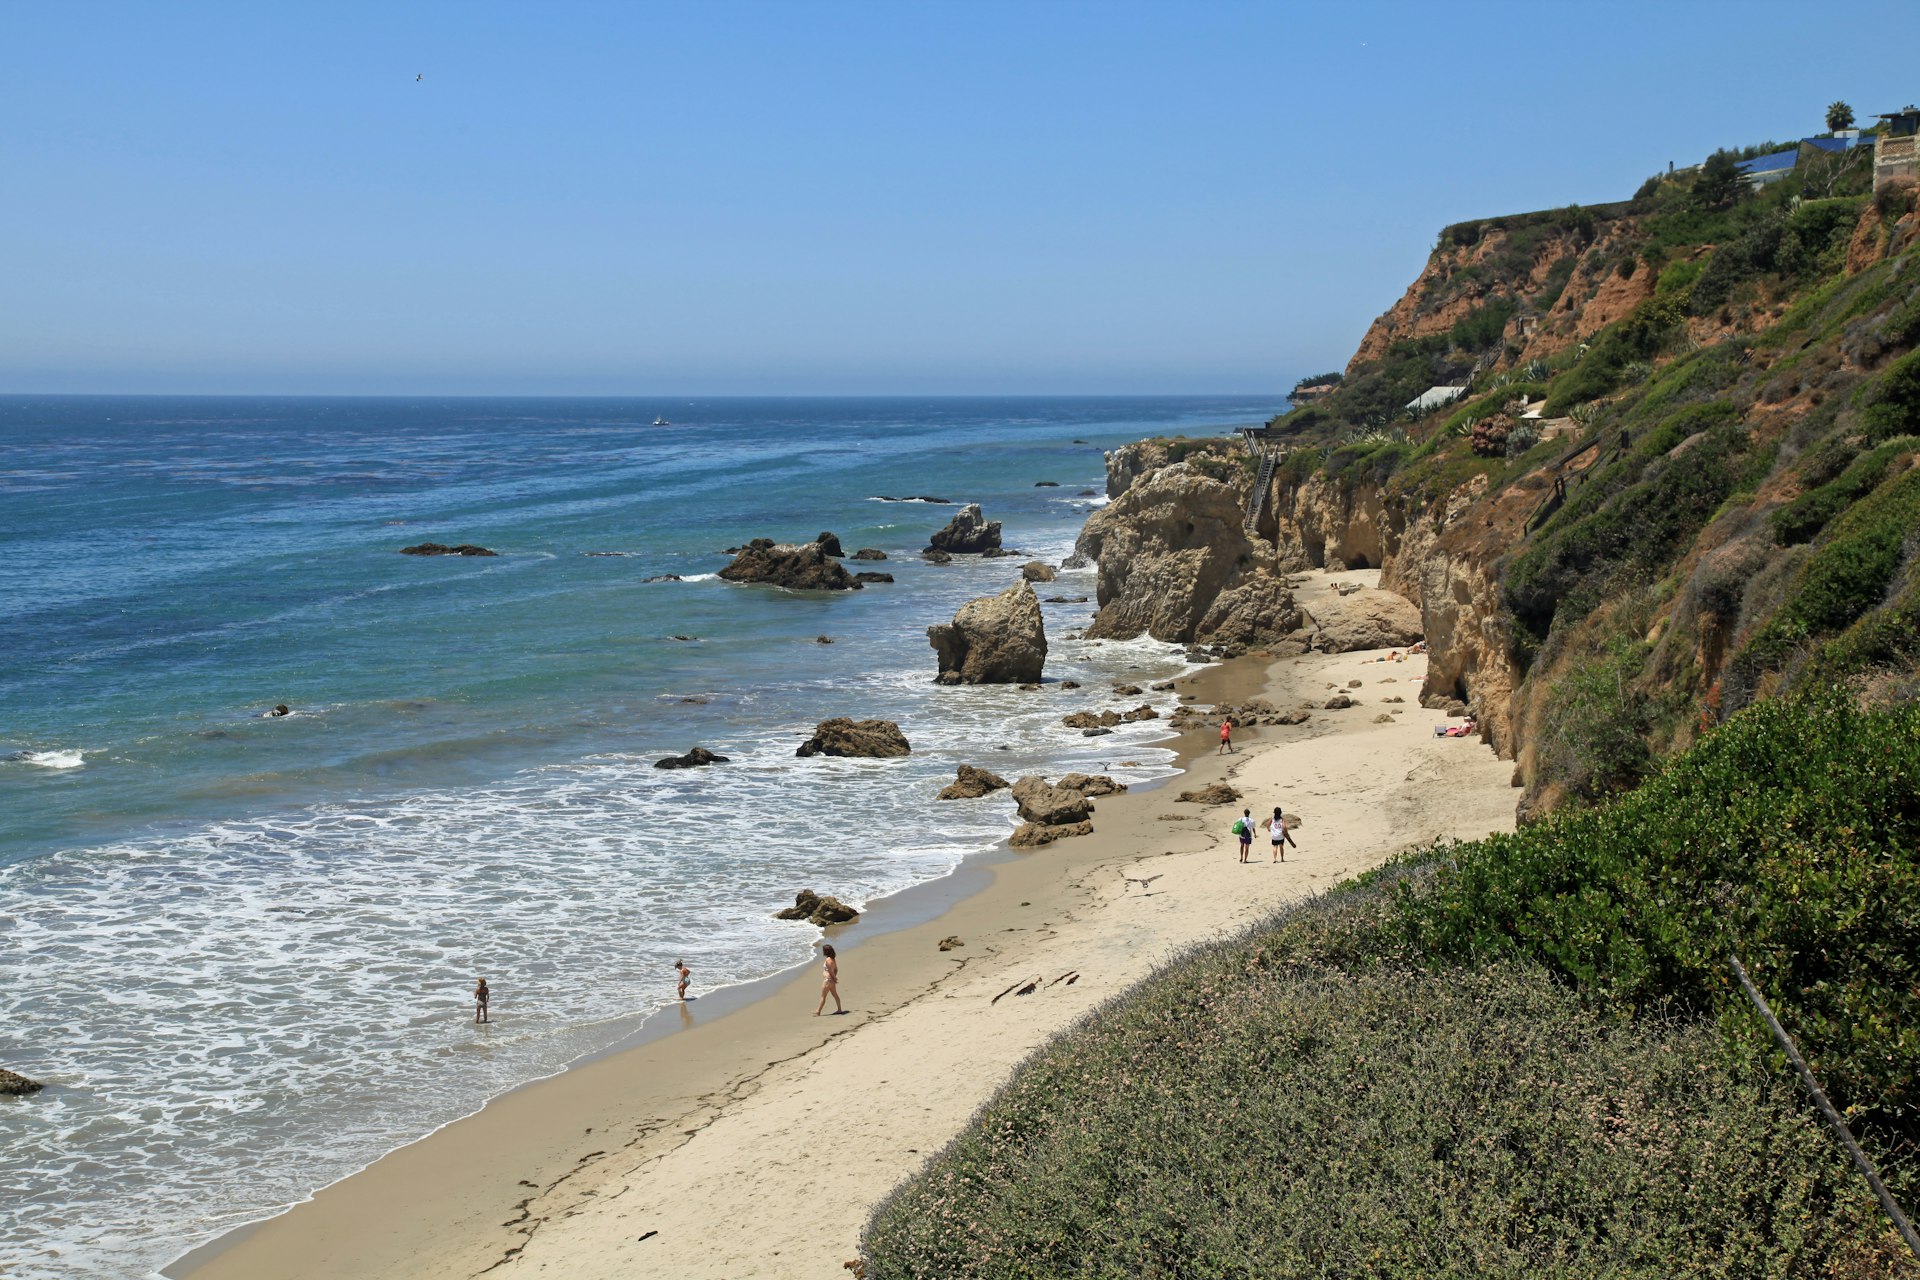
x=867, y=575
x=973, y=783
x=441, y=549
x=855, y=738
x=799, y=567
x=992, y=640
x=968, y=532
x=13, y=1084
x=868, y=553
x=936, y=557
x=694, y=759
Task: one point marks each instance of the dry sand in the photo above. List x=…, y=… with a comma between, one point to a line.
x=754, y=1144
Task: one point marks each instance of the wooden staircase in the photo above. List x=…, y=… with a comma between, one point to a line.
x=1263, y=481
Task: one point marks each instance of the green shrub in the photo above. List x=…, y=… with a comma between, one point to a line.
x=1594, y=736
x=1482, y=328
x=1640, y=336
x=1629, y=521
x=1803, y=518
x=1892, y=406
x=1846, y=577
x=1791, y=836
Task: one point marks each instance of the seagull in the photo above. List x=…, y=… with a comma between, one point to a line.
x=1142, y=883
x=418, y=79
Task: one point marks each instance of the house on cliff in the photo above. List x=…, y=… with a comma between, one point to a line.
x=1896, y=154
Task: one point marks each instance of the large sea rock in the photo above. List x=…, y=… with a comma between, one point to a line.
x=1176, y=564
x=1366, y=620
x=993, y=640
x=801, y=567
x=968, y=532
x=820, y=909
x=865, y=738
x=1048, y=805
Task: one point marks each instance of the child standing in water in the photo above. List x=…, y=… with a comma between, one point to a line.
x=480, y=995
x=830, y=967
x=680, y=967
x=1226, y=736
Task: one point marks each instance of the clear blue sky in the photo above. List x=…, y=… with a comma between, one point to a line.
x=821, y=197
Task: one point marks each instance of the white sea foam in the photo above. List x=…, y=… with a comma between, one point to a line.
x=310, y=969
x=50, y=759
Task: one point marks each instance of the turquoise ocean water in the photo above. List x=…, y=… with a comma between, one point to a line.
x=238, y=948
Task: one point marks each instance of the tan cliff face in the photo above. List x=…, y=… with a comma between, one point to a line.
x=1175, y=564
x=1317, y=525
x=1456, y=282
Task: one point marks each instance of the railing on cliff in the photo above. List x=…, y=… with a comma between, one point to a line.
x=1262, y=481
x=1563, y=485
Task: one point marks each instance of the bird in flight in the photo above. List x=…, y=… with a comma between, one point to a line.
x=1132, y=880
x=418, y=79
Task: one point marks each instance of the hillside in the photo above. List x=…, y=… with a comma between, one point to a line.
x=1663, y=534
x=1681, y=477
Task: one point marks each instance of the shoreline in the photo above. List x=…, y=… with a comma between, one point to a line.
x=749, y=1138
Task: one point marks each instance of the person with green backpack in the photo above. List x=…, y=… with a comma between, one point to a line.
x=1243, y=827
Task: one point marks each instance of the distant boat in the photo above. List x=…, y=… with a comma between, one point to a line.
x=661, y=422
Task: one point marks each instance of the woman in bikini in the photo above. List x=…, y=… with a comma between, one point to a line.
x=480, y=997
x=830, y=967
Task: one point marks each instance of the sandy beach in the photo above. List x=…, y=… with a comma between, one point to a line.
x=754, y=1141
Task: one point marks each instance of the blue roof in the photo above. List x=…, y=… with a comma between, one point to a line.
x=1774, y=163
x=1840, y=144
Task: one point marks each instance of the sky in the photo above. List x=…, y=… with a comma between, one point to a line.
x=817, y=197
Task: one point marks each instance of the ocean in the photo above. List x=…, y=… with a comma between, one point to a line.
x=238, y=949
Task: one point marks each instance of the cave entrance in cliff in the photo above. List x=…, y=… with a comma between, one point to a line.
x=1360, y=562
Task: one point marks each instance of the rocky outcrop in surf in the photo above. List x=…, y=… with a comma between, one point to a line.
x=829, y=543
x=993, y=640
x=442, y=549
x=857, y=738
x=13, y=1084
x=969, y=532
x=1176, y=564
x=972, y=783
x=1037, y=571
x=817, y=909
x=798, y=567
x=1050, y=813
x=697, y=758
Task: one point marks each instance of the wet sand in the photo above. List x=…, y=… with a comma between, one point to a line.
x=743, y=1137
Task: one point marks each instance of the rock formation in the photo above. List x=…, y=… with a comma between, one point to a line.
x=968, y=532
x=1131, y=462
x=993, y=640
x=441, y=549
x=694, y=759
x=1367, y=620
x=868, y=553
x=16, y=1085
x=934, y=556
x=1031, y=835
x=867, y=575
x=829, y=543
x=799, y=567
x=1175, y=563
x=817, y=909
x=1098, y=784
x=1212, y=793
x=1037, y=571
x=1048, y=805
x=973, y=783
x=861, y=738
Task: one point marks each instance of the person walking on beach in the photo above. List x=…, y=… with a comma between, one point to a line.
x=480, y=996
x=830, y=986
x=680, y=967
x=1226, y=736
x=1277, y=831
x=1243, y=827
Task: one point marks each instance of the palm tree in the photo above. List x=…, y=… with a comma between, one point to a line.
x=1839, y=116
